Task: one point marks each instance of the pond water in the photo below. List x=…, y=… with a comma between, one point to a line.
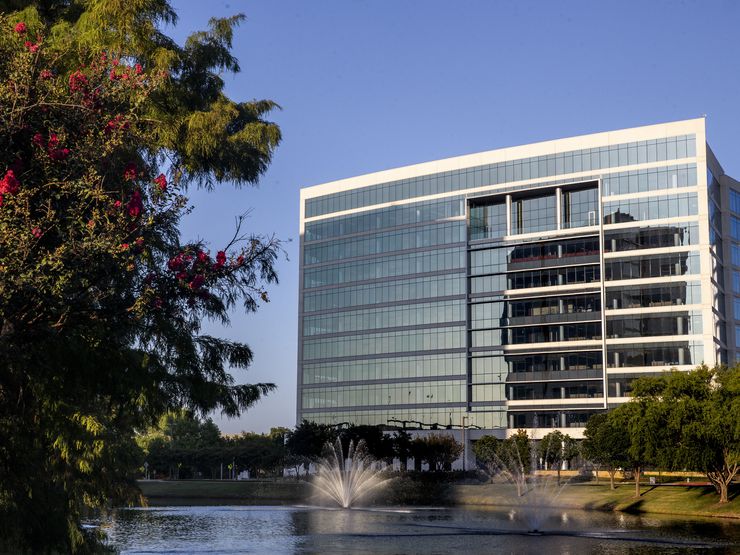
x=312, y=530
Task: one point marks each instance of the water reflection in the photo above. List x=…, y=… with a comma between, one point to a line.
x=309, y=530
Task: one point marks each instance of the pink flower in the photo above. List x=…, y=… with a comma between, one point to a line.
x=130, y=172
x=135, y=205
x=9, y=183
x=138, y=69
x=117, y=204
x=112, y=75
x=124, y=246
x=46, y=74
x=161, y=182
x=20, y=28
x=77, y=81
x=36, y=232
x=38, y=140
x=31, y=46
x=115, y=62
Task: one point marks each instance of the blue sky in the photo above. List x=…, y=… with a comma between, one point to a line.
x=367, y=86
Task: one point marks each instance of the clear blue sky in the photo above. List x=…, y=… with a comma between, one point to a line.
x=367, y=86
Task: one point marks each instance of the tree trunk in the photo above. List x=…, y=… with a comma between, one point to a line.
x=558, y=475
x=612, y=472
x=596, y=472
x=637, y=481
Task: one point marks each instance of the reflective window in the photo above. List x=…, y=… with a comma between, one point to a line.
x=394, y=368
x=529, y=215
x=386, y=317
x=487, y=220
x=555, y=390
x=500, y=313
x=579, y=208
x=584, y=160
x=532, y=255
x=378, y=243
x=651, y=237
x=655, y=354
x=682, y=323
x=581, y=331
x=639, y=296
x=675, y=264
x=385, y=292
x=734, y=201
x=651, y=179
x=385, y=217
x=651, y=208
x=385, y=342
x=385, y=266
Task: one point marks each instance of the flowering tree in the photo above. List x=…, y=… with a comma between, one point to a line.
x=103, y=124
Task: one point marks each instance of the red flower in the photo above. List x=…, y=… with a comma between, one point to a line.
x=130, y=172
x=181, y=275
x=202, y=257
x=115, y=62
x=117, y=123
x=9, y=184
x=36, y=232
x=38, y=140
x=220, y=259
x=78, y=81
x=20, y=28
x=135, y=205
x=161, y=181
x=124, y=246
x=117, y=204
x=53, y=141
x=59, y=153
x=31, y=46
x=112, y=75
x=138, y=69
x=175, y=263
x=240, y=260
x=46, y=74
x=197, y=282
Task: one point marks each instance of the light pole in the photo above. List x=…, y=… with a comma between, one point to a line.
x=463, y=419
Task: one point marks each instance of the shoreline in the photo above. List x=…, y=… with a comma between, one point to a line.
x=675, y=499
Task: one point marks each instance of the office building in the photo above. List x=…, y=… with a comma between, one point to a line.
x=523, y=287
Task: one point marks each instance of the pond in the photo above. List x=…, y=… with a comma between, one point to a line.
x=313, y=530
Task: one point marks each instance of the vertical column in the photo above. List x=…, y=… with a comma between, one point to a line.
x=558, y=207
x=508, y=214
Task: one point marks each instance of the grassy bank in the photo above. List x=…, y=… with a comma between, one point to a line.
x=248, y=492
x=677, y=500
x=674, y=499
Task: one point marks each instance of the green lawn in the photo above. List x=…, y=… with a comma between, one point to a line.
x=680, y=500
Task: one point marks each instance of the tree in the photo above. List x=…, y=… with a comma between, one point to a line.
x=698, y=413
x=556, y=448
x=104, y=122
x=486, y=452
x=306, y=443
x=439, y=450
x=401, y=443
x=642, y=419
x=515, y=459
x=606, y=444
x=377, y=444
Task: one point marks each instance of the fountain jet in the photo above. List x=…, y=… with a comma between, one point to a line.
x=346, y=480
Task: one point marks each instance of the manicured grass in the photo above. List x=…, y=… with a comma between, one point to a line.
x=678, y=499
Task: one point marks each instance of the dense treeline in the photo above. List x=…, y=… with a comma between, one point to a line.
x=184, y=446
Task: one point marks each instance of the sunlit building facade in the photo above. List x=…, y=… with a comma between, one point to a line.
x=524, y=287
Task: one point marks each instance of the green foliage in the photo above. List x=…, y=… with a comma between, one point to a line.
x=606, y=443
x=378, y=445
x=694, y=421
x=439, y=451
x=306, y=443
x=486, y=452
x=101, y=304
x=556, y=448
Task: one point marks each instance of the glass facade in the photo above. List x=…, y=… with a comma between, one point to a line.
x=499, y=296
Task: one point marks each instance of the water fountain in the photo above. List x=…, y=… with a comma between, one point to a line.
x=346, y=480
